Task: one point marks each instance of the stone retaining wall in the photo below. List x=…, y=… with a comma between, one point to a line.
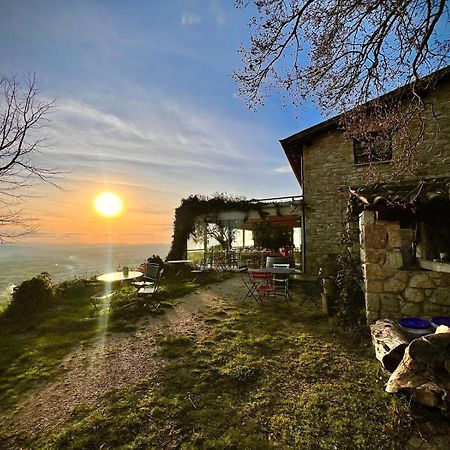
x=390, y=290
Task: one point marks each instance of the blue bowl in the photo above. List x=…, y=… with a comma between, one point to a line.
x=415, y=323
x=436, y=321
x=416, y=327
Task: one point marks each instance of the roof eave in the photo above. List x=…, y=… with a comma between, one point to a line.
x=333, y=122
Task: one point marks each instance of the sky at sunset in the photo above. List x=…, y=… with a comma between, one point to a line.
x=146, y=108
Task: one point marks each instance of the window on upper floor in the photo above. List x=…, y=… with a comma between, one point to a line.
x=375, y=147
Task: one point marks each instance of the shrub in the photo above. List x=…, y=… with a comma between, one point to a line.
x=32, y=296
x=155, y=259
x=71, y=288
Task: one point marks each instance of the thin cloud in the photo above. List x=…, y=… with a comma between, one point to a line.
x=163, y=145
x=283, y=169
x=217, y=12
x=190, y=19
x=186, y=140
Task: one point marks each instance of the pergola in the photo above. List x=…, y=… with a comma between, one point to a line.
x=286, y=211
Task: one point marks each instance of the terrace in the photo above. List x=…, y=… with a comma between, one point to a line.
x=268, y=230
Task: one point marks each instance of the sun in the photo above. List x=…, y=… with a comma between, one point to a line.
x=108, y=204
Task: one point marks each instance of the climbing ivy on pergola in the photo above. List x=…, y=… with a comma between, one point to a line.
x=196, y=206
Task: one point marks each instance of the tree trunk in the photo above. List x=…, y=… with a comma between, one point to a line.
x=424, y=371
x=389, y=343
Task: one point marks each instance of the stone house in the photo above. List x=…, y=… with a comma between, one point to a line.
x=404, y=222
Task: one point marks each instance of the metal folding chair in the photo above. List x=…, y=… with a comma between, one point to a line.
x=151, y=288
x=100, y=298
x=199, y=270
x=264, y=283
x=150, y=276
x=311, y=291
x=248, y=283
x=281, y=281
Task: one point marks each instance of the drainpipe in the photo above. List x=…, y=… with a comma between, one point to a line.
x=303, y=236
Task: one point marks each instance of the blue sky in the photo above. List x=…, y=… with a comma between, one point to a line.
x=146, y=107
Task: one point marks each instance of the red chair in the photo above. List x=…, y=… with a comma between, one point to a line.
x=265, y=284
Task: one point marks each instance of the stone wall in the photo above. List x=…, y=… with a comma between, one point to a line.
x=390, y=290
x=329, y=165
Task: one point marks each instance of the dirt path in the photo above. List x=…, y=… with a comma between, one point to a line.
x=112, y=363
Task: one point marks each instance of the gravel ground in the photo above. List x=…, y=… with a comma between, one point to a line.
x=90, y=373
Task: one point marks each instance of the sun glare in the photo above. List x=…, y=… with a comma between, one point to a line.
x=108, y=204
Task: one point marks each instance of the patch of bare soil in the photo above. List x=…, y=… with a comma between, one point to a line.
x=91, y=373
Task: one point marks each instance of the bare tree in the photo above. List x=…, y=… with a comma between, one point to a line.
x=341, y=53
x=218, y=230
x=22, y=117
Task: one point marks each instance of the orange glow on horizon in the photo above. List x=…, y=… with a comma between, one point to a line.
x=71, y=217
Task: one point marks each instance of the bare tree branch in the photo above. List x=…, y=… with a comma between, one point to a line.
x=341, y=52
x=346, y=55
x=22, y=116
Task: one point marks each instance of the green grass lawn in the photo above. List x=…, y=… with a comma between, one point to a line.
x=260, y=377
x=265, y=377
x=32, y=346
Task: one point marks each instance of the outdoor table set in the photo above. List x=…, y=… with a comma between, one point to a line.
x=119, y=276
x=263, y=282
x=275, y=281
x=146, y=284
x=111, y=279
x=180, y=263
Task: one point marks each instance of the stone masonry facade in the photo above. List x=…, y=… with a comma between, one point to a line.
x=329, y=165
x=391, y=291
